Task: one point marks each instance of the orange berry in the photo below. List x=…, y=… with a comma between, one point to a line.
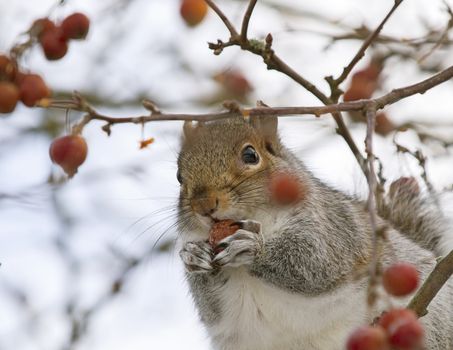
x=32, y=89
x=9, y=96
x=69, y=152
x=193, y=11
x=76, y=26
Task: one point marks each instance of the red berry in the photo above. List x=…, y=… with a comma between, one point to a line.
x=54, y=44
x=193, y=11
x=384, y=125
x=363, y=83
x=361, y=88
x=286, y=188
x=235, y=83
x=69, y=152
x=32, y=89
x=372, y=71
x=43, y=25
x=76, y=26
x=403, y=329
x=220, y=230
x=367, y=338
x=394, y=315
x=8, y=68
x=407, y=335
x=9, y=95
x=400, y=279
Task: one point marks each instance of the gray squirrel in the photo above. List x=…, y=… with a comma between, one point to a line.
x=293, y=277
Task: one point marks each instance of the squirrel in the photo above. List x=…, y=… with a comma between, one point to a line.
x=292, y=277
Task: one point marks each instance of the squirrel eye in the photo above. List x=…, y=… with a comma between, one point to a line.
x=250, y=156
x=178, y=177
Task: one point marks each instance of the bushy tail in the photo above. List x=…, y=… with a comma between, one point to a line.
x=418, y=218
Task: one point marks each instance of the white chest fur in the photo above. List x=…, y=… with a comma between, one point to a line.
x=256, y=315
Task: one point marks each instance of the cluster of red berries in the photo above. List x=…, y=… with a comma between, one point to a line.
x=54, y=37
x=70, y=151
x=397, y=329
x=17, y=86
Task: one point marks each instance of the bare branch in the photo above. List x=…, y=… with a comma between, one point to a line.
x=79, y=104
x=437, y=278
x=418, y=88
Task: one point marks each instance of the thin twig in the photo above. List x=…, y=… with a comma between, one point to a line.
x=371, y=202
x=225, y=20
x=421, y=159
x=365, y=45
x=443, y=36
x=246, y=20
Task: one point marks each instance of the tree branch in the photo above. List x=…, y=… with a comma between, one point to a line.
x=79, y=104
x=373, y=190
x=437, y=278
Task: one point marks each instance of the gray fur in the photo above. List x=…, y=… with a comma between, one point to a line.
x=419, y=218
x=312, y=249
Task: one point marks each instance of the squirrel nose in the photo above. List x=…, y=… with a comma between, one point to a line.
x=205, y=206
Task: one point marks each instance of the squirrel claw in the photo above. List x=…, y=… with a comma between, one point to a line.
x=239, y=249
x=197, y=256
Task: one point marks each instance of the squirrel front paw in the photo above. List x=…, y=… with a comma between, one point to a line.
x=242, y=247
x=197, y=257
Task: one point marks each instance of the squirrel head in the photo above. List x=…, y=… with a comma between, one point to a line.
x=224, y=168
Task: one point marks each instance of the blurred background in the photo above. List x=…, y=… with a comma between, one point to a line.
x=89, y=263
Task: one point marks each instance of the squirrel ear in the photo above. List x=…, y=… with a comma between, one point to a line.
x=265, y=125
